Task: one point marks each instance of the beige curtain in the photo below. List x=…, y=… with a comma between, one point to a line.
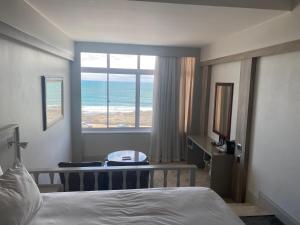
x=187, y=98
x=172, y=108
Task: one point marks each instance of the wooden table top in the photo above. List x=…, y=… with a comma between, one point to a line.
x=205, y=144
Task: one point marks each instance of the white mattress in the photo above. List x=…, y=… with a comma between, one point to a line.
x=164, y=206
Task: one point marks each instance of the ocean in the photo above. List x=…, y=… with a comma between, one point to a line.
x=121, y=96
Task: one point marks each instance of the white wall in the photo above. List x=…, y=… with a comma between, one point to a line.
x=228, y=73
x=274, y=156
x=278, y=30
x=22, y=16
x=21, y=69
x=96, y=145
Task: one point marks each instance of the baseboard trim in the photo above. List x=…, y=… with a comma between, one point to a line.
x=265, y=202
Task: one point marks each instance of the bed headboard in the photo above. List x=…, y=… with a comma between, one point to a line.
x=9, y=146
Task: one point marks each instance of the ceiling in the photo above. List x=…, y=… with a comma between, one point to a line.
x=255, y=4
x=151, y=23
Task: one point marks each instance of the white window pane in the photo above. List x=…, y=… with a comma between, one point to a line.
x=122, y=61
x=147, y=62
x=122, y=100
x=94, y=100
x=146, y=100
x=96, y=60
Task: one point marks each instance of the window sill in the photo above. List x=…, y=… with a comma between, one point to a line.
x=116, y=131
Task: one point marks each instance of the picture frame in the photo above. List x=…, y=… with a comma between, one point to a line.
x=52, y=100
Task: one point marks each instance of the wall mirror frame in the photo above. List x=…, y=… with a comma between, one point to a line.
x=52, y=100
x=223, y=110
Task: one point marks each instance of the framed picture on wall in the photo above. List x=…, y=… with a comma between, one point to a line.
x=52, y=100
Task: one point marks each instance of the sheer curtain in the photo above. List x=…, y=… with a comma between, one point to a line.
x=172, y=107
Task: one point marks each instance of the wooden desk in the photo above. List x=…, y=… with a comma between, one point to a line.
x=199, y=150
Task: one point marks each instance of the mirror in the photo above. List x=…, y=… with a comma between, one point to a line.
x=223, y=109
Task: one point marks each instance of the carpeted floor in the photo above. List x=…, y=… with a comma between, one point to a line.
x=261, y=220
x=202, y=178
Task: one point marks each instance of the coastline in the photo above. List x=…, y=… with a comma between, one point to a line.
x=96, y=119
x=112, y=109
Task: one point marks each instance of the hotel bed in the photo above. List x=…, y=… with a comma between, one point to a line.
x=172, y=206
x=157, y=206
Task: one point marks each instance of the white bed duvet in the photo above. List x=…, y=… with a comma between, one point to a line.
x=165, y=206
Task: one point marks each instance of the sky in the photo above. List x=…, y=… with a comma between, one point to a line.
x=115, y=77
x=99, y=60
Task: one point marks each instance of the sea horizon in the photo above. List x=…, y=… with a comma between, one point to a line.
x=122, y=96
x=103, y=109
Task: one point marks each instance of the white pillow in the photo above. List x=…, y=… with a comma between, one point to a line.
x=20, y=198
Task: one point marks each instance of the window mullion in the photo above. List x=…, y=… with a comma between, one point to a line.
x=137, y=100
x=107, y=95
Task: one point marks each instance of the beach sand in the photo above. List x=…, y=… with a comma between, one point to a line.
x=116, y=119
x=53, y=114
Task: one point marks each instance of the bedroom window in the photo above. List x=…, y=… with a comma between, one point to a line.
x=116, y=91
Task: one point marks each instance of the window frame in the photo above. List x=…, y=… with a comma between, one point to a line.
x=137, y=72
